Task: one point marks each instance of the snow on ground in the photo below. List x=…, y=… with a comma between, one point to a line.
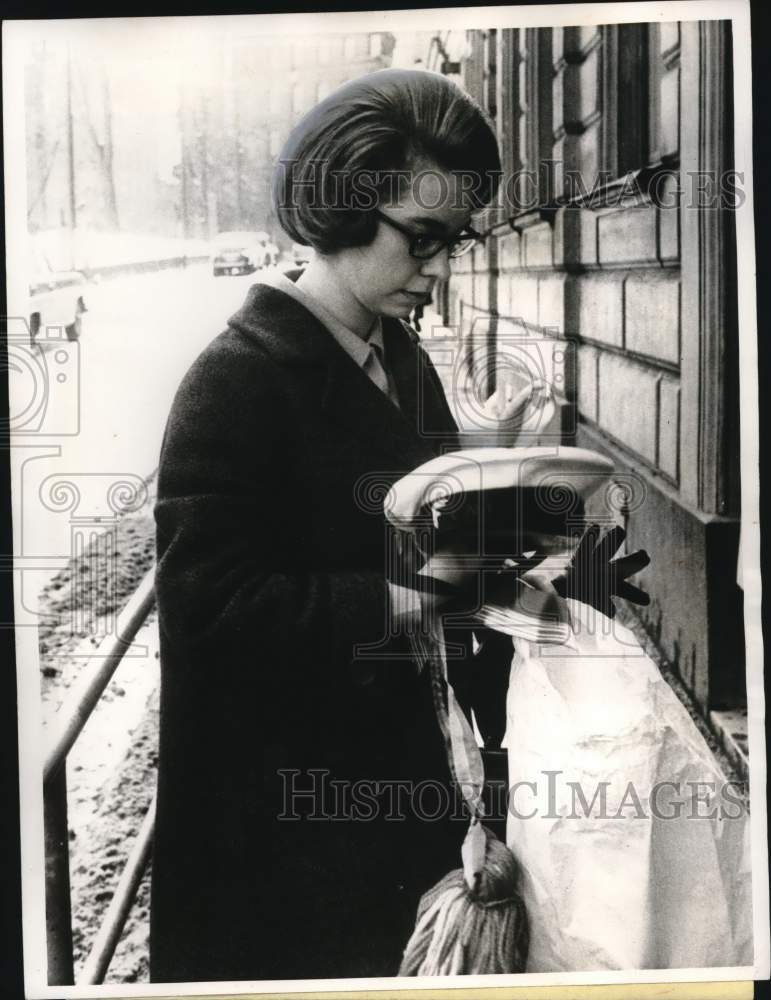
x=111, y=768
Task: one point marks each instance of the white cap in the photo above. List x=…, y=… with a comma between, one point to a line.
x=552, y=471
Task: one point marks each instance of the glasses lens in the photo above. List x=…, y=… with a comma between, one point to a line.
x=424, y=247
x=462, y=245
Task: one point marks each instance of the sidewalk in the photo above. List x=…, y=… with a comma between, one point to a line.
x=106, y=254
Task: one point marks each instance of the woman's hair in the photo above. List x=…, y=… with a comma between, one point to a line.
x=354, y=150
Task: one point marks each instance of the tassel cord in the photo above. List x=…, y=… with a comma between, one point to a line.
x=462, y=930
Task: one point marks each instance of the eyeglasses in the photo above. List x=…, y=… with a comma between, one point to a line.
x=424, y=247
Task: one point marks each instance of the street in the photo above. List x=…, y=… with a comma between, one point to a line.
x=141, y=335
x=105, y=418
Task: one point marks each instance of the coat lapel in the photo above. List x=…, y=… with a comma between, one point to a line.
x=355, y=403
x=404, y=362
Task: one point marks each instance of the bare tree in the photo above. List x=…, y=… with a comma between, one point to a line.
x=102, y=139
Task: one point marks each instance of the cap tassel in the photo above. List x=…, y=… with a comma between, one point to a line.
x=473, y=921
x=465, y=930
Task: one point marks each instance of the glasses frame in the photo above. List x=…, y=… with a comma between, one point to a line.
x=414, y=238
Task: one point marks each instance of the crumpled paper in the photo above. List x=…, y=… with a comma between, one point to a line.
x=643, y=878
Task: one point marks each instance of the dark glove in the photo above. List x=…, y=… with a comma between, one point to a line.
x=404, y=569
x=499, y=586
x=595, y=579
x=459, y=589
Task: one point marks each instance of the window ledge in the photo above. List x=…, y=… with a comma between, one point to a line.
x=730, y=727
x=725, y=732
x=637, y=187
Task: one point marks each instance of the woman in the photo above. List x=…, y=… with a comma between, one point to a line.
x=295, y=729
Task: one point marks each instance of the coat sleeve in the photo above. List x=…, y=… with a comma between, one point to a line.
x=231, y=578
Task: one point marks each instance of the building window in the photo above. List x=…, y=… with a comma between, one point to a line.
x=375, y=44
x=536, y=134
x=507, y=100
x=664, y=91
x=490, y=63
x=633, y=85
x=626, y=118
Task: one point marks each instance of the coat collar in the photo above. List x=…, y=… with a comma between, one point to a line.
x=283, y=327
x=293, y=336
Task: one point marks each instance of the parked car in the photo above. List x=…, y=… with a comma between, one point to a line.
x=57, y=298
x=240, y=252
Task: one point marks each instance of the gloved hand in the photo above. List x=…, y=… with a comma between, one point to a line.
x=459, y=583
x=409, y=569
x=452, y=579
x=595, y=579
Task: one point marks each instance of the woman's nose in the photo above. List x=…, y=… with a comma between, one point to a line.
x=438, y=265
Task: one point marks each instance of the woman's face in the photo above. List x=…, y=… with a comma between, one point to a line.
x=383, y=278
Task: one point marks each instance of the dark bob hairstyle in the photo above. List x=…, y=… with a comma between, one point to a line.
x=355, y=149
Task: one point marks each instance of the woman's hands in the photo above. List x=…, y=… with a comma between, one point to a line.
x=456, y=581
x=530, y=408
x=595, y=579
x=459, y=583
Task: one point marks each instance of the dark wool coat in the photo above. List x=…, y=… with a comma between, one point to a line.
x=270, y=584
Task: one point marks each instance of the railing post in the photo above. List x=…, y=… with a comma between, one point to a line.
x=95, y=966
x=71, y=718
x=57, y=864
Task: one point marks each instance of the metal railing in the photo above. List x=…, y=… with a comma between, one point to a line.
x=68, y=724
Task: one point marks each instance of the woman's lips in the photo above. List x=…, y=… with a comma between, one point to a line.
x=416, y=296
